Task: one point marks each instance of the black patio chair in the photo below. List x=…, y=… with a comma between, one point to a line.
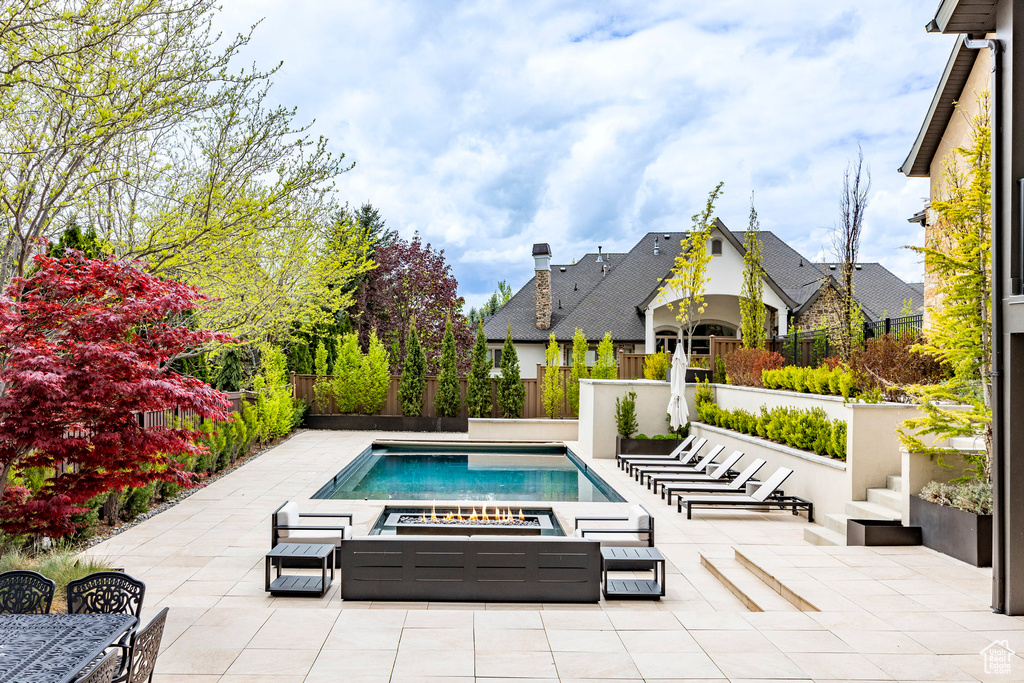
x=102, y=672
x=143, y=650
x=25, y=592
x=106, y=593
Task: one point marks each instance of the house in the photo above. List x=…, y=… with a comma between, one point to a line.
x=623, y=294
x=985, y=57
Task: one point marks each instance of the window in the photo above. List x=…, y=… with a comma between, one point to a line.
x=497, y=358
x=716, y=247
x=665, y=341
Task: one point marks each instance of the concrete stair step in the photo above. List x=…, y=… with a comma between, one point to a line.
x=862, y=509
x=837, y=523
x=894, y=482
x=748, y=588
x=775, y=579
x=816, y=534
x=886, y=498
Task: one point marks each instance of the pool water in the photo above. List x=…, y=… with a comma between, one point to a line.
x=468, y=472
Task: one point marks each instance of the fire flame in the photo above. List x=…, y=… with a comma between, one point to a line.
x=495, y=515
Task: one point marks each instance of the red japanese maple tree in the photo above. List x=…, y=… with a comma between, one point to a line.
x=84, y=348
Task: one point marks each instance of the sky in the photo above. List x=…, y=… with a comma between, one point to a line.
x=488, y=126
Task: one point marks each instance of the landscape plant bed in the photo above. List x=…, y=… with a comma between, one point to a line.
x=967, y=536
x=645, y=446
x=881, y=532
x=387, y=423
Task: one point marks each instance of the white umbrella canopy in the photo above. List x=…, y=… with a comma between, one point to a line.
x=677, y=409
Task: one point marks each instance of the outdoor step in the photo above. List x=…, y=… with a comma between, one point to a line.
x=862, y=509
x=815, y=534
x=775, y=578
x=886, y=498
x=750, y=590
x=837, y=523
x=894, y=482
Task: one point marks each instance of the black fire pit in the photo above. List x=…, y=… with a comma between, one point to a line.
x=454, y=522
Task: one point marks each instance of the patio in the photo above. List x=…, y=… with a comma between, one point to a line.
x=886, y=614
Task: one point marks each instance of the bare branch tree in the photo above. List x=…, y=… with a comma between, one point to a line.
x=844, y=312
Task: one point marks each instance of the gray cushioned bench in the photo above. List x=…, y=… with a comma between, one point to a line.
x=471, y=569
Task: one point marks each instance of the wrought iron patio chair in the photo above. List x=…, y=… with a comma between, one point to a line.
x=108, y=593
x=25, y=592
x=143, y=650
x=102, y=672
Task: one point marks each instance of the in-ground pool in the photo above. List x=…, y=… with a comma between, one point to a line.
x=471, y=472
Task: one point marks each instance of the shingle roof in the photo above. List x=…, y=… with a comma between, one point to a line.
x=882, y=293
x=790, y=269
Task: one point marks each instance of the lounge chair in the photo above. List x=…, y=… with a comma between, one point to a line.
x=721, y=473
x=286, y=527
x=668, y=488
x=638, y=530
x=681, y=457
x=622, y=459
x=699, y=468
x=767, y=495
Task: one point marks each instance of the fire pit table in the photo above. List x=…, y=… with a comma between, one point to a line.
x=457, y=521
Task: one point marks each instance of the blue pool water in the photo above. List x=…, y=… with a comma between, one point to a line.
x=468, y=472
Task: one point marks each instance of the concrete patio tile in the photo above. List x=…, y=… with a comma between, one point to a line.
x=185, y=678
x=658, y=641
x=371, y=618
x=437, y=639
x=599, y=665
x=675, y=665
x=516, y=664
x=767, y=665
x=411, y=663
x=974, y=666
x=713, y=621
x=437, y=618
x=733, y=641
x=192, y=660
x=806, y=641
x=951, y=642
x=838, y=666
x=295, y=629
x=633, y=620
x=985, y=621
x=569, y=619
x=331, y=666
x=918, y=667
x=561, y=640
x=266, y=661
x=783, y=621
x=519, y=639
x=886, y=642
x=496, y=619
x=358, y=638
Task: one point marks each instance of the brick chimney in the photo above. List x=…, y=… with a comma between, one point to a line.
x=542, y=280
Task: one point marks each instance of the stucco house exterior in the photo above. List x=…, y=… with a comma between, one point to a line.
x=622, y=294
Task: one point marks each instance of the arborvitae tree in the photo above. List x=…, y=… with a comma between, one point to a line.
x=345, y=384
x=511, y=392
x=752, y=313
x=578, y=371
x=299, y=359
x=606, y=366
x=321, y=385
x=554, y=393
x=478, y=394
x=374, y=377
x=414, y=376
x=229, y=375
x=447, y=402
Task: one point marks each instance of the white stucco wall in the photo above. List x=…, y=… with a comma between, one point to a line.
x=529, y=356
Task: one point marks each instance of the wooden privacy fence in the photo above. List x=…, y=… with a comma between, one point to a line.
x=533, y=403
x=167, y=418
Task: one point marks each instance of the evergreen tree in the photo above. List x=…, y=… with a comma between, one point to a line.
x=87, y=242
x=414, y=376
x=322, y=383
x=752, y=313
x=229, y=375
x=478, y=394
x=606, y=366
x=345, y=383
x=374, y=377
x=554, y=393
x=511, y=392
x=447, y=402
x=299, y=359
x=579, y=370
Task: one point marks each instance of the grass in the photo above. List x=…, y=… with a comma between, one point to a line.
x=60, y=564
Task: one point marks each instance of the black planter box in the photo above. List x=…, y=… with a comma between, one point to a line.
x=646, y=446
x=881, y=532
x=387, y=423
x=963, y=535
x=694, y=375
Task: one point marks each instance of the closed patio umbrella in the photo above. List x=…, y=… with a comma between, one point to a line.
x=677, y=409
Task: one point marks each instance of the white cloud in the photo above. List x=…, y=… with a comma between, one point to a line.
x=490, y=125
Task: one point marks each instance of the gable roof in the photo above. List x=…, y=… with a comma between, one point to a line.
x=940, y=111
x=880, y=292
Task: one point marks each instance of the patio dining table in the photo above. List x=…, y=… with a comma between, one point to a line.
x=54, y=648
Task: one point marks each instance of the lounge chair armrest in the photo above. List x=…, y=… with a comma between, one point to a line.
x=328, y=514
x=599, y=519
x=584, y=532
x=311, y=528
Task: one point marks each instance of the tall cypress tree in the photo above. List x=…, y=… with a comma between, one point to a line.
x=229, y=376
x=478, y=395
x=511, y=392
x=446, y=401
x=752, y=313
x=414, y=376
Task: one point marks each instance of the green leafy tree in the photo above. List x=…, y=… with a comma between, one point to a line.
x=511, y=392
x=606, y=367
x=625, y=415
x=322, y=383
x=345, y=383
x=229, y=375
x=752, y=313
x=960, y=327
x=579, y=370
x=686, y=283
x=478, y=393
x=553, y=391
x=374, y=377
x=446, y=401
x=414, y=376
x=498, y=299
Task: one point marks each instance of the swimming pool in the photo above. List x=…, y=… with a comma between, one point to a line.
x=471, y=472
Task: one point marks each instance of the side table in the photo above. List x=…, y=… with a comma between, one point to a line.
x=642, y=589
x=295, y=585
